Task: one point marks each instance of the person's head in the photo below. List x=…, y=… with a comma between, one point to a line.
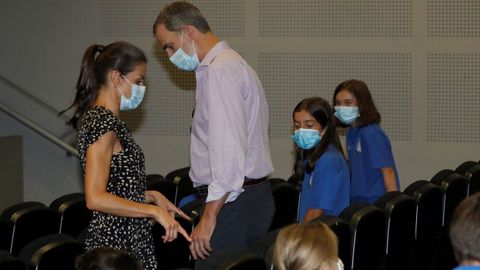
x=107, y=259
x=118, y=67
x=353, y=103
x=184, y=34
x=314, y=130
x=306, y=246
x=465, y=231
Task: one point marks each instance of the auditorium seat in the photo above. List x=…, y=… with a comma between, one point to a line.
x=82, y=236
x=285, y=197
x=158, y=183
x=193, y=210
x=342, y=230
x=175, y=254
x=269, y=258
x=400, y=210
x=30, y=220
x=454, y=189
x=6, y=230
x=264, y=247
x=293, y=181
x=186, y=200
x=367, y=229
x=471, y=170
x=183, y=183
x=464, y=166
x=275, y=180
x=74, y=214
x=51, y=252
x=236, y=259
x=9, y=211
x=428, y=222
x=9, y=262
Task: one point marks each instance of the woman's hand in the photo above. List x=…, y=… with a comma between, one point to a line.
x=158, y=199
x=171, y=226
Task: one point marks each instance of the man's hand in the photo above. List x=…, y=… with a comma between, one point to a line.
x=201, y=235
x=200, y=245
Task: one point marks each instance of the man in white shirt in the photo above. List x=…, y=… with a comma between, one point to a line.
x=229, y=151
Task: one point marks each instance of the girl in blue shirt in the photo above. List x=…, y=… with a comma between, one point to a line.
x=319, y=161
x=370, y=157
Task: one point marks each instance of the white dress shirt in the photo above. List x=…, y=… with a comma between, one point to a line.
x=229, y=138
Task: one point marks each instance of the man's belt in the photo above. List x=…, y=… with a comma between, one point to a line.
x=203, y=190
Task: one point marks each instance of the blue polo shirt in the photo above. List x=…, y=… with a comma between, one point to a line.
x=467, y=267
x=369, y=151
x=327, y=187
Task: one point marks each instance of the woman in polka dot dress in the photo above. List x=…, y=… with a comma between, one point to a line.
x=111, y=80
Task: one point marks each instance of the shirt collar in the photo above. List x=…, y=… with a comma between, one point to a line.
x=217, y=49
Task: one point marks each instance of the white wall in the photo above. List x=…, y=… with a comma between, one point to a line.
x=42, y=43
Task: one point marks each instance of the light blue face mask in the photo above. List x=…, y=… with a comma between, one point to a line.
x=346, y=114
x=138, y=92
x=184, y=61
x=306, y=138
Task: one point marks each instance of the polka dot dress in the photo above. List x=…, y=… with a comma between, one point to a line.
x=127, y=180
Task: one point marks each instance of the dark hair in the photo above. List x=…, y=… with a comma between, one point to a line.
x=104, y=258
x=322, y=112
x=97, y=61
x=177, y=14
x=465, y=229
x=366, y=107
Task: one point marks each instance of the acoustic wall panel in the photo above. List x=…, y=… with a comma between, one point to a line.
x=453, y=18
x=340, y=18
x=126, y=18
x=290, y=77
x=453, y=97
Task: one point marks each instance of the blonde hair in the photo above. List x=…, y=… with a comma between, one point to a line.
x=306, y=246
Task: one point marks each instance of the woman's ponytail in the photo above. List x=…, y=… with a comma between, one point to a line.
x=87, y=84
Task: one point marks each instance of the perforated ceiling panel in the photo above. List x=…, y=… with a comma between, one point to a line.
x=453, y=98
x=453, y=18
x=120, y=18
x=340, y=18
x=290, y=77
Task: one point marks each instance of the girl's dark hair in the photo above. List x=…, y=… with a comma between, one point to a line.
x=366, y=107
x=97, y=61
x=322, y=112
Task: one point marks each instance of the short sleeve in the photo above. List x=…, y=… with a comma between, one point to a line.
x=96, y=123
x=328, y=177
x=377, y=147
x=100, y=126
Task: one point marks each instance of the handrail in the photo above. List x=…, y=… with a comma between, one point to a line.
x=40, y=130
x=31, y=96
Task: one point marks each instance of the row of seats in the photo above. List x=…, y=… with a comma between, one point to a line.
x=175, y=186
x=36, y=236
x=27, y=221
x=401, y=230
x=414, y=222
